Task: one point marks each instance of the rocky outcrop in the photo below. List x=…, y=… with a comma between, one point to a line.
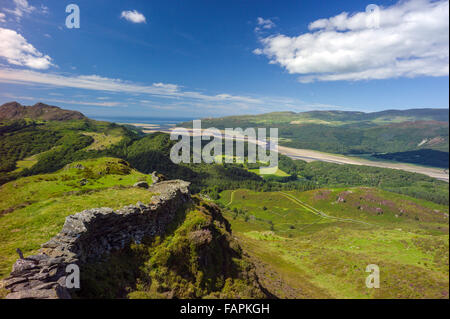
x=39, y=111
x=89, y=236
x=141, y=185
x=158, y=177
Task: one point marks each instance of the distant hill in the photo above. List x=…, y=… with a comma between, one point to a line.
x=354, y=133
x=339, y=118
x=39, y=111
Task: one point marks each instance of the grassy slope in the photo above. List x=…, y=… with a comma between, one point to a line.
x=350, y=132
x=27, y=142
x=308, y=255
x=104, y=140
x=33, y=209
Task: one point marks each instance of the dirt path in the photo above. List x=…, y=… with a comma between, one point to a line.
x=231, y=198
x=320, y=213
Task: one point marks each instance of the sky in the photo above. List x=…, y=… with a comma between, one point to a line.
x=215, y=58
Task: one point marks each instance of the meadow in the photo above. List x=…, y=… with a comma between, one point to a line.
x=317, y=244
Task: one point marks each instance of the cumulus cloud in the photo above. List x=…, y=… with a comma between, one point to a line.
x=15, y=49
x=2, y=17
x=262, y=23
x=408, y=39
x=133, y=16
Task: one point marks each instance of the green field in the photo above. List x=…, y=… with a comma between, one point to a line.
x=104, y=140
x=278, y=172
x=317, y=244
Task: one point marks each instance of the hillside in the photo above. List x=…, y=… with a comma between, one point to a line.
x=31, y=147
x=338, y=118
x=38, y=111
x=317, y=244
x=192, y=256
x=355, y=133
x=33, y=209
x=308, y=231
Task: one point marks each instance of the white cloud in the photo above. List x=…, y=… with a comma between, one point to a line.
x=62, y=101
x=410, y=40
x=99, y=83
x=264, y=24
x=44, y=9
x=133, y=16
x=2, y=17
x=164, y=94
x=21, y=7
x=16, y=50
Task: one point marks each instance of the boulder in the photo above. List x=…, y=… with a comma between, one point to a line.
x=141, y=185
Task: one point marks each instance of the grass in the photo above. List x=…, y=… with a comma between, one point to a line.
x=25, y=163
x=195, y=258
x=29, y=161
x=279, y=172
x=313, y=256
x=33, y=209
x=104, y=140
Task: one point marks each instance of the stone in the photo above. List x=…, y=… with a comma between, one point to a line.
x=141, y=185
x=20, y=287
x=19, y=252
x=34, y=294
x=7, y=283
x=155, y=178
x=92, y=234
x=46, y=285
x=23, y=265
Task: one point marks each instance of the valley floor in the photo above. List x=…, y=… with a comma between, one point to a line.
x=311, y=155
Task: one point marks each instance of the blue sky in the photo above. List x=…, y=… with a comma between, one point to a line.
x=214, y=58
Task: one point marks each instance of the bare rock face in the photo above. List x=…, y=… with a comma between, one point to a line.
x=91, y=235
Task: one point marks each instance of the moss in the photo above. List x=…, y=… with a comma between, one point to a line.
x=111, y=278
x=3, y=293
x=198, y=260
